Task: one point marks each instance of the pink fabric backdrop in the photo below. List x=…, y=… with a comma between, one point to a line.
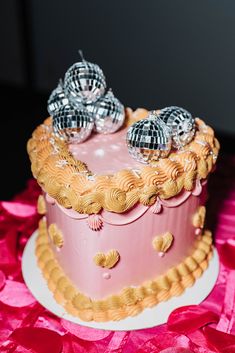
x=25, y=326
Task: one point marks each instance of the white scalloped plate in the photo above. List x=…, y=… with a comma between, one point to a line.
x=148, y=318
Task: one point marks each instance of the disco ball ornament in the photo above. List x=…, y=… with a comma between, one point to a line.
x=57, y=99
x=74, y=124
x=84, y=82
x=149, y=139
x=108, y=112
x=181, y=124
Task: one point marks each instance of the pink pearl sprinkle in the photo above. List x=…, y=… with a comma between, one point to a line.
x=198, y=231
x=106, y=275
x=161, y=254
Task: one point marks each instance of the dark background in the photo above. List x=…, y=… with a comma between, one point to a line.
x=154, y=53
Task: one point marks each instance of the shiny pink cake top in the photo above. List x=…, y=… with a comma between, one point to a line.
x=105, y=154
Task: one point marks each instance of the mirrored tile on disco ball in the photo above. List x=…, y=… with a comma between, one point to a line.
x=57, y=99
x=84, y=82
x=181, y=124
x=74, y=124
x=109, y=114
x=148, y=140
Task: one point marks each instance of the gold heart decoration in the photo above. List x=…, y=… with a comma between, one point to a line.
x=162, y=243
x=108, y=260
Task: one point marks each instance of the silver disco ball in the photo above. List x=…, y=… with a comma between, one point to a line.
x=108, y=112
x=74, y=124
x=181, y=124
x=57, y=99
x=84, y=82
x=149, y=139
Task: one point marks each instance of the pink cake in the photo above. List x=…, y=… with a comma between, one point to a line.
x=118, y=236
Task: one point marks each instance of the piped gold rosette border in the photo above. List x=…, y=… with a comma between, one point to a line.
x=72, y=185
x=131, y=300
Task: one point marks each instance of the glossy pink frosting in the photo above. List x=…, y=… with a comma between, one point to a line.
x=131, y=234
x=105, y=154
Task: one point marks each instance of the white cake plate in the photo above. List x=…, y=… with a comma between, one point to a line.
x=148, y=318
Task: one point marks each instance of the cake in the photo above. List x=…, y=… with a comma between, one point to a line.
x=116, y=235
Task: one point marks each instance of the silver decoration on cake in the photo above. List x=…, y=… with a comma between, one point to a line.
x=149, y=139
x=181, y=124
x=57, y=99
x=108, y=112
x=74, y=124
x=84, y=82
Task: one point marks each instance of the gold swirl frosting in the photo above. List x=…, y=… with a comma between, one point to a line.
x=115, y=200
x=72, y=185
x=170, y=168
x=126, y=180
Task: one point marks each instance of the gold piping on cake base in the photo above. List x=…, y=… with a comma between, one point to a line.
x=131, y=300
x=199, y=217
x=41, y=205
x=56, y=235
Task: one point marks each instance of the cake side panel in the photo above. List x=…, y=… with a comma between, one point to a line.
x=139, y=261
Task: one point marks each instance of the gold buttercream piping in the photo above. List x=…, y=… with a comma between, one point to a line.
x=149, y=195
x=170, y=168
x=41, y=205
x=131, y=300
x=199, y=217
x=115, y=200
x=201, y=148
x=108, y=260
x=126, y=180
x=189, y=179
x=187, y=160
x=56, y=235
x=153, y=176
x=134, y=116
x=169, y=189
x=162, y=243
x=103, y=182
x=72, y=185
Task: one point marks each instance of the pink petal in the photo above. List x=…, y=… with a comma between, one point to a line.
x=38, y=340
x=190, y=318
x=227, y=254
x=85, y=333
x=19, y=209
x=223, y=342
x=2, y=279
x=16, y=294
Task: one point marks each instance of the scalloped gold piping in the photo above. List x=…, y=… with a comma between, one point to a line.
x=199, y=217
x=67, y=180
x=130, y=301
x=56, y=235
x=41, y=205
